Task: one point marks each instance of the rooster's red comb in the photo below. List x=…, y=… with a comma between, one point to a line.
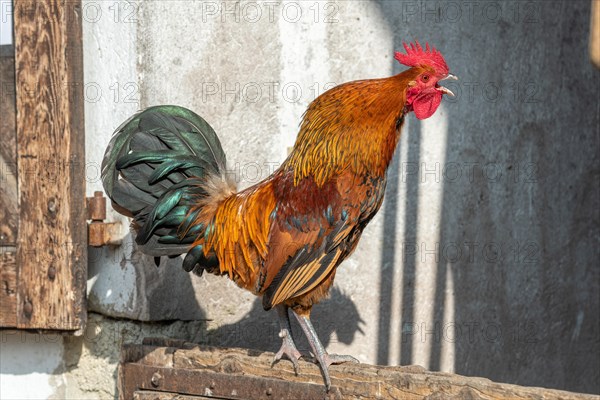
x=415, y=55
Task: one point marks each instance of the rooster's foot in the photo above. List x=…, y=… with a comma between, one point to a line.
x=324, y=360
x=288, y=350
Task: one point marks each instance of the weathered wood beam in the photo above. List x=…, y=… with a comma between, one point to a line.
x=595, y=33
x=8, y=287
x=51, y=242
x=9, y=210
x=8, y=151
x=175, y=368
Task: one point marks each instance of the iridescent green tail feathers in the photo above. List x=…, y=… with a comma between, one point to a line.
x=155, y=169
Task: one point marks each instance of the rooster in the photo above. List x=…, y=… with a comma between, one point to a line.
x=284, y=237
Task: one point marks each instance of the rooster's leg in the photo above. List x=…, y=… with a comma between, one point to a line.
x=322, y=357
x=288, y=347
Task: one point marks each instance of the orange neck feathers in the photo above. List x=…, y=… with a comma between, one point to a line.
x=351, y=126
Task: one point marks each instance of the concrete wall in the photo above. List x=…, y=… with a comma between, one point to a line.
x=483, y=259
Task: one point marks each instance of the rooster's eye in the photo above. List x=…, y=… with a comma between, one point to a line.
x=425, y=78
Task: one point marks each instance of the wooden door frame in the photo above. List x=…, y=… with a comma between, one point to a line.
x=51, y=247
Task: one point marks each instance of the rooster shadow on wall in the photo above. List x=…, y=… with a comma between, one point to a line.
x=259, y=330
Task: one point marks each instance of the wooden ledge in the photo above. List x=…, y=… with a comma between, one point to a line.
x=164, y=369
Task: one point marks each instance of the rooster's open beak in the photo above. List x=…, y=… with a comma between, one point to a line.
x=444, y=89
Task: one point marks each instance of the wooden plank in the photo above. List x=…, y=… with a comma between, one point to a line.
x=148, y=395
x=8, y=191
x=8, y=287
x=8, y=152
x=190, y=370
x=217, y=385
x=595, y=33
x=51, y=240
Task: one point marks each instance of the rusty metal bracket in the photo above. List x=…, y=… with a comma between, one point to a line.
x=101, y=233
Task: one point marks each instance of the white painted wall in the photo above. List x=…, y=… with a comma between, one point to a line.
x=5, y=22
x=27, y=364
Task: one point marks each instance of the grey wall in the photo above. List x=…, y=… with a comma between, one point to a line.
x=484, y=258
x=528, y=114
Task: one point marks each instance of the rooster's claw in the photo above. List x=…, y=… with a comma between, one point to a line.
x=289, y=350
x=335, y=359
x=327, y=359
